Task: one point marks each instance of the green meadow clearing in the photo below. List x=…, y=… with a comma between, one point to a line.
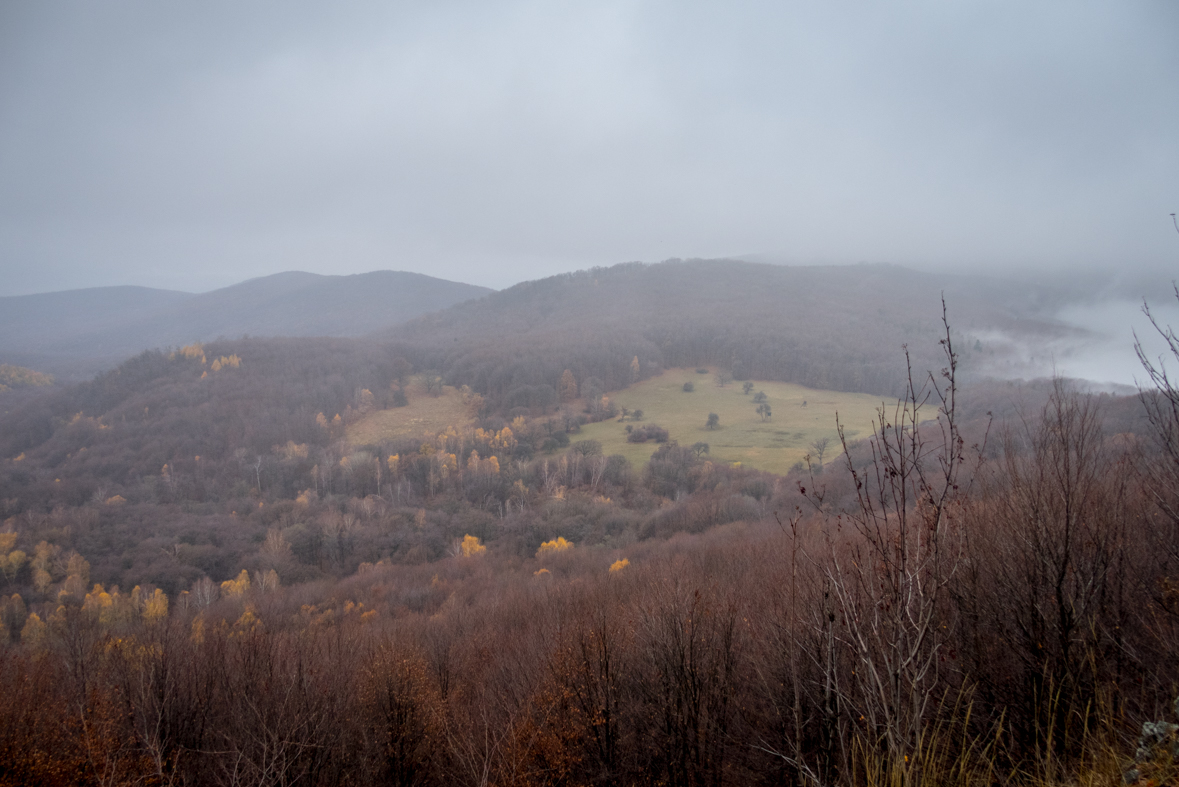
x=424, y=415
x=800, y=416
x=742, y=436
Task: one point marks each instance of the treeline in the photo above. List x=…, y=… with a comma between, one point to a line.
x=525, y=371
x=823, y=327
x=406, y=503
x=1011, y=621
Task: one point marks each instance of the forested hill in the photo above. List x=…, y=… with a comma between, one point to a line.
x=78, y=332
x=839, y=328
x=35, y=328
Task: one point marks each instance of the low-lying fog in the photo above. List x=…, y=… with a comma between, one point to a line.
x=1093, y=341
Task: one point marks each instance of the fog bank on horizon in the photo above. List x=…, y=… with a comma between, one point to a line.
x=192, y=147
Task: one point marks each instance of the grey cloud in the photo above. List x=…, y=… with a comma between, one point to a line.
x=193, y=146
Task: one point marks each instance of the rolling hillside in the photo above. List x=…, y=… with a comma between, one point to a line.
x=836, y=328
x=76, y=333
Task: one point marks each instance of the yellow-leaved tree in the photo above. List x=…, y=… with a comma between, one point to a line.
x=32, y=634
x=292, y=451
x=44, y=554
x=246, y=625
x=470, y=546
x=236, y=588
x=193, y=352
x=155, y=606
x=100, y=605
x=489, y=465
x=504, y=441
x=226, y=362
x=11, y=560
x=558, y=544
x=77, y=577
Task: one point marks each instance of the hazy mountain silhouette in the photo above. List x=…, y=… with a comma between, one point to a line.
x=78, y=332
x=882, y=299
x=838, y=327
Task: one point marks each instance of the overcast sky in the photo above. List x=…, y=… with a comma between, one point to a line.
x=193, y=145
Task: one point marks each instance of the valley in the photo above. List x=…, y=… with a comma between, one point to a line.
x=455, y=511
x=642, y=394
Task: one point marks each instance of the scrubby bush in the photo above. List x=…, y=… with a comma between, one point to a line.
x=647, y=433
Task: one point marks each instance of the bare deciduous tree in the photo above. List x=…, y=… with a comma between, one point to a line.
x=891, y=556
x=820, y=447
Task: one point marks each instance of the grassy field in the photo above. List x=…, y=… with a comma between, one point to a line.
x=800, y=416
x=773, y=445
x=425, y=414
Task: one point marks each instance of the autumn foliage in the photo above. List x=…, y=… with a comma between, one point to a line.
x=968, y=601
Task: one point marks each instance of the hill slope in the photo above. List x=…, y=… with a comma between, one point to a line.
x=839, y=328
x=79, y=332
x=36, y=324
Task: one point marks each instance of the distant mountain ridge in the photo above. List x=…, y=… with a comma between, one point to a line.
x=75, y=333
x=834, y=327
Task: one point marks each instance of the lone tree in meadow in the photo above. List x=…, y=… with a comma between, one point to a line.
x=760, y=396
x=746, y=387
x=713, y=421
x=763, y=410
x=820, y=447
